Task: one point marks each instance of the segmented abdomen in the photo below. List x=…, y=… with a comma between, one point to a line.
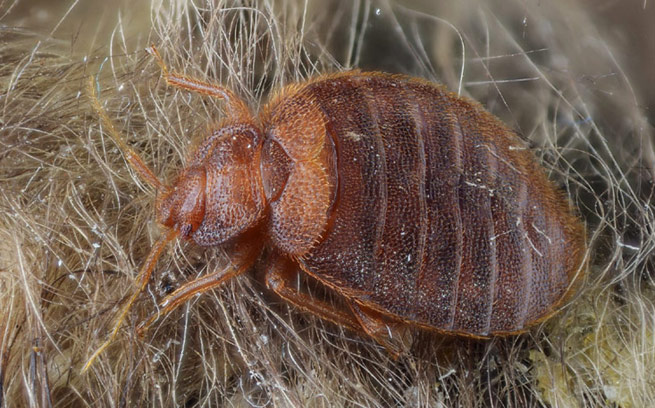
x=441, y=216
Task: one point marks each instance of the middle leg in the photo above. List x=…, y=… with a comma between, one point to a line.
x=393, y=335
x=280, y=277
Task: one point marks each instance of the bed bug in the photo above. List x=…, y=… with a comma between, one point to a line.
x=416, y=206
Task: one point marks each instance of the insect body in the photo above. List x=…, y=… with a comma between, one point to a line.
x=416, y=206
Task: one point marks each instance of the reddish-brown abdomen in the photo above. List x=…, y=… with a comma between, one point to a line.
x=438, y=214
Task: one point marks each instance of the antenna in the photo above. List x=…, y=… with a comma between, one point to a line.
x=139, y=166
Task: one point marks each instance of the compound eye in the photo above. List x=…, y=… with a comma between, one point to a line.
x=186, y=230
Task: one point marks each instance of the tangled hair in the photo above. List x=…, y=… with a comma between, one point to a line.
x=76, y=223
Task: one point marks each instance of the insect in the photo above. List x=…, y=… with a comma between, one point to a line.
x=416, y=206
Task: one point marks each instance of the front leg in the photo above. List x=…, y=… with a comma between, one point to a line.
x=243, y=256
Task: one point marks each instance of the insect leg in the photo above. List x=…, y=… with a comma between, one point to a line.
x=394, y=336
x=237, y=110
x=280, y=277
x=245, y=256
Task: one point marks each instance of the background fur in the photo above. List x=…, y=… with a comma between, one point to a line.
x=575, y=79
